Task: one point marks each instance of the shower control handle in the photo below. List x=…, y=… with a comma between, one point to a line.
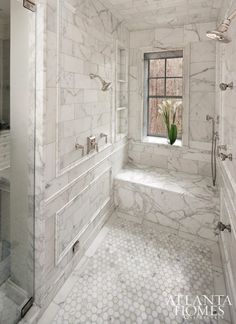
x=79, y=147
x=103, y=135
x=221, y=147
x=221, y=228
x=223, y=156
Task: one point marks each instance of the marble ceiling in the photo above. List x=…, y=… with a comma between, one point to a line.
x=144, y=14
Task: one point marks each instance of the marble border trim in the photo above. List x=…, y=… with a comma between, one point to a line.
x=69, y=185
x=60, y=256
x=230, y=191
x=227, y=214
x=228, y=269
x=82, y=160
x=58, y=37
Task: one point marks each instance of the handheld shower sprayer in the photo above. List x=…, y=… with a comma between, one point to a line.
x=214, y=139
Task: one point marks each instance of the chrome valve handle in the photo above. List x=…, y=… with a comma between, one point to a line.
x=223, y=156
x=221, y=228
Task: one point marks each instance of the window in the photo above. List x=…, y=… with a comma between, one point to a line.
x=163, y=80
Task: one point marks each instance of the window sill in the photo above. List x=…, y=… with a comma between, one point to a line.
x=161, y=141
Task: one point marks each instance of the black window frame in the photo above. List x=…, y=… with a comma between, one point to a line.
x=165, y=55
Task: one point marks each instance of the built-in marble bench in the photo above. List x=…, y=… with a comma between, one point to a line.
x=185, y=202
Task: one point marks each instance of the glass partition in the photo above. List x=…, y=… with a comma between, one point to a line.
x=17, y=109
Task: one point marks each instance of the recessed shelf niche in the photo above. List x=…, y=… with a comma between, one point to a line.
x=121, y=91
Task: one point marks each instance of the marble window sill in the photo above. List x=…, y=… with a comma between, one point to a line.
x=161, y=141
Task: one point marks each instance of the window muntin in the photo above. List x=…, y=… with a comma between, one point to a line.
x=164, y=80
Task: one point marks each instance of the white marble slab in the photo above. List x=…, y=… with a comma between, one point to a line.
x=140, y=14
x=4, y=149
x=181, y=201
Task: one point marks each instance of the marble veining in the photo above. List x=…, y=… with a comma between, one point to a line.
x=137, y=15
x=178, y=200
x=198, y=97
x=74, y=38
x=4, y=150
x=128, y=274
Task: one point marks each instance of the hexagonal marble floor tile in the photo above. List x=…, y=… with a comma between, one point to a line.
x=131, y=276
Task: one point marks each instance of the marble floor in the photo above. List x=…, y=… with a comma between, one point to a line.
x=9, y=311
x=129, y=274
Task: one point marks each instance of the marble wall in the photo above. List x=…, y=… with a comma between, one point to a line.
x=180, y=201
x=4, y=150
x=225, y=108
x=79, y=42
x=199, y=95
x=75, y=38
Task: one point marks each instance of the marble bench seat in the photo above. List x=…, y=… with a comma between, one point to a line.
x=185, y=202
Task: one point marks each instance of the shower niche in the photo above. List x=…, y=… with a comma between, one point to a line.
x=121, y=96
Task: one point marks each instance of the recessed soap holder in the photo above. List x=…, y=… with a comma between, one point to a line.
x=91, y=144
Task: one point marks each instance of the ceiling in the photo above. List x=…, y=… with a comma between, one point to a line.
x=144, y=14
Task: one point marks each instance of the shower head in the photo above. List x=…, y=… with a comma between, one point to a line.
x=105, y=85
x=224, y=86
x=219, y=36
x=221, y=33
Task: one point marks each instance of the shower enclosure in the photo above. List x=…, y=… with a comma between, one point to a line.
x=17, y=115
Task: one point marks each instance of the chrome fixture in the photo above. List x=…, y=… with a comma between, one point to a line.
x=220, y=34
x=223, y=156
x=79, y=147
x=76, y=247
x=102, y=135
x=91, y=144
x=222, y=227
x=224, y=86
x=105, y=85
x=221, y=147
x=214, y=139
x=30, y=5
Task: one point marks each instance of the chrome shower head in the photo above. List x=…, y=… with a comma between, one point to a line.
x=225, y=86
x=221, y=33
x=219, y=36
x=105, y=85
